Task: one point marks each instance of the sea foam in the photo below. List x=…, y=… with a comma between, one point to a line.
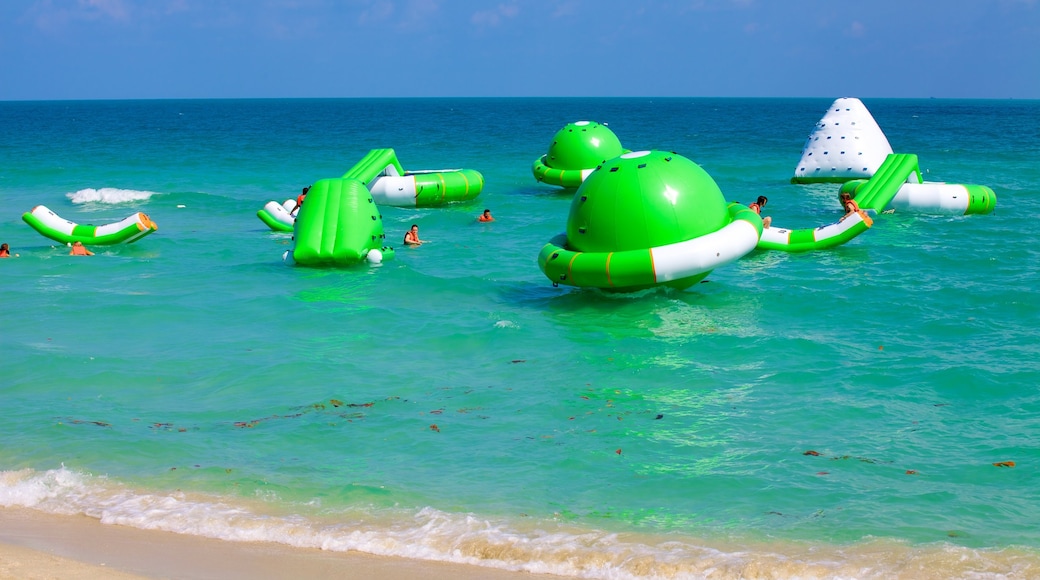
x=108, y=195
x=546, y=546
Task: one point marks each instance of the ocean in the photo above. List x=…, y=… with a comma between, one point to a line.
x=869, y=411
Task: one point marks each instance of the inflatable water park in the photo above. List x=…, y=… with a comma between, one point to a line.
x=51, y=225
x=387, y=183
x=637, y=219
x=338, y=223
x=622, y=234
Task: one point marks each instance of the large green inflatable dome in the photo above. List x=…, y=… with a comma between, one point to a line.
x=582, y=145
x=644, y=199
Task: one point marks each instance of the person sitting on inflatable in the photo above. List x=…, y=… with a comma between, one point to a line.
x=848, y=204
x=757, y=208
x=486, y=216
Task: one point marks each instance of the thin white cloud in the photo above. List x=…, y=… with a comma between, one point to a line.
x=492, y=18
x=378, y=12
x=418, y=13
x=564, y=9
x=856, y=30
x=114, y=9
x=52, y=16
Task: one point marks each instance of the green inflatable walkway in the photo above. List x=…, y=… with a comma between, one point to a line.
x=884, y=185
x=373, y=164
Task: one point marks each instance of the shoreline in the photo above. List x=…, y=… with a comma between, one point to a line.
x=34, y=544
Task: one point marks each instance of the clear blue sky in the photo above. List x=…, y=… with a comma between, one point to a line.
x=125, y=49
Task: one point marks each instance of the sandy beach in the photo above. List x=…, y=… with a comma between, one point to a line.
x=38, y=545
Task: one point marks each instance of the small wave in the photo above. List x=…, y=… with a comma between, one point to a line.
x=108, y=195
x=548, y=547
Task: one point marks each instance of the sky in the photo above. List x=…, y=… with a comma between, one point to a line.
x=153, y=49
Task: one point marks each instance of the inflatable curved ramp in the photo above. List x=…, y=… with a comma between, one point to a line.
x=821, y=238
x=126, y=231
x=338, y=225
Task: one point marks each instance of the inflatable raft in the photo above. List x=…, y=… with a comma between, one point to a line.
x=339, y=225
x=821, y=238
x=278, y=216
x=52, y=226
x=575, y=152
x=390, y=184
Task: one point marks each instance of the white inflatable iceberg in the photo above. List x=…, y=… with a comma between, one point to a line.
x=846, y=144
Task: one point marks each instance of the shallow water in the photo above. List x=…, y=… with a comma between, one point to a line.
x=451, y=404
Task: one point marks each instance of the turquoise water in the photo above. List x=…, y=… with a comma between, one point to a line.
x=451, y=404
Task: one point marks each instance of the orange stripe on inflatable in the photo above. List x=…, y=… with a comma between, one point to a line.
x=653, y=269
x=609, y=254
x=570, y=265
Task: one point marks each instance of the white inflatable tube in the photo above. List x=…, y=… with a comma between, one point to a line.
x=395, y=190
x=932, y=196
x=704, y=253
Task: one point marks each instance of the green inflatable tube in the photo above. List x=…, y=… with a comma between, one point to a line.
x=811, y=239
x=438, y=188
x=339, y=225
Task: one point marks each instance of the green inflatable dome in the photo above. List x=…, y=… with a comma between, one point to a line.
x=576, y=150
x=642, y=200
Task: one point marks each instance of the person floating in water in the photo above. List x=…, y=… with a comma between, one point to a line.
x=486, y=216
x=411, y=237
x=5, y=251
x=757, y=208
x=78, y=249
